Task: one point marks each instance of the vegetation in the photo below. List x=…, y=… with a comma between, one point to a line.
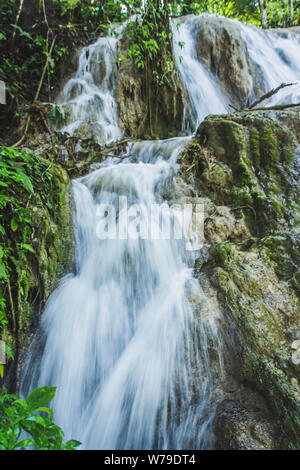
x=36, y=38
x=35, y=35
x=19, y=173
x=26, y=214
x=32, y=219
x=18, y=416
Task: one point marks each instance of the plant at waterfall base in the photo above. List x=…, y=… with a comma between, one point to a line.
x=18, y=416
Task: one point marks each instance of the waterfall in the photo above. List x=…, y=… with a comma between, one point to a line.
x=274, y=56
x=87, y=100
x=277, y=57
x=204, y=94
x=119, y=338
x=131, y=341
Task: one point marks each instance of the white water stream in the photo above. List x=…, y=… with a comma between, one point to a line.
x=128, y=339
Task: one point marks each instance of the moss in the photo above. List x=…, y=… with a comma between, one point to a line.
x=258, y=180
x=268, y=147
x=226, y=138
x=243, y=174
x=223, y=253
x=254, y=146
x=284, y=253
x=258, y=284
x=45, y=228
x=266, y=355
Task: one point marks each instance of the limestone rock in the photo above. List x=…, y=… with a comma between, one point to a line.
x=221, y=47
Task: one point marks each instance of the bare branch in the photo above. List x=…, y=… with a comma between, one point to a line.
x=269, y=94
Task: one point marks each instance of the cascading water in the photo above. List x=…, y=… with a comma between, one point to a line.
x=87, y=100
x=277, y=57
x=119, y=338
x=274, y=54
x=121, y=341
x=204, y=93
x=130, y=339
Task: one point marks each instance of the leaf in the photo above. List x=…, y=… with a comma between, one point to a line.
x=27, y=247
x=45, y=410
x=1, y=370
x=25, y=180
x=26, y=443
x=3, y=273
x=14, y=224
x=8, y=351
x=21, y=31
x=70, y=445
x=41, y=397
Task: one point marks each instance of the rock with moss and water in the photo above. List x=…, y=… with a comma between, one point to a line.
x=247, y=165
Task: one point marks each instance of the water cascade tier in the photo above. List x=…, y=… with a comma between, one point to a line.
x=136, y=366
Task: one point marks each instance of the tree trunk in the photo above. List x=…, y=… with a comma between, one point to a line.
x=283, y=3
x=291, y=5
x=101, y=12
x=262, y=5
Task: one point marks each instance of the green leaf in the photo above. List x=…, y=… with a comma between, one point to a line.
x=25, y=443
x=21, y=31
x=45, y=410
x=14, y=224
x=27, y=247
x=70, y=445
x=25, y=180
x=8, y=351
x=3, y=273
x=41, y=397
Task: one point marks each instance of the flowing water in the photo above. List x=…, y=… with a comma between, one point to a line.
x=204, y=93
x=87, y=100
x=277, y=57
x=130, y=339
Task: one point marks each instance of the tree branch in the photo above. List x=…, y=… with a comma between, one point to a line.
x=269, y=94
x=275, y=108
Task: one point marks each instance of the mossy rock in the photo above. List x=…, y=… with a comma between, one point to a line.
x=263, y=309
x=246, y=161
x=41, y=240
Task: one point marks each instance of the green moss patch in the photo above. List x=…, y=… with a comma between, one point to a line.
x=35, y=239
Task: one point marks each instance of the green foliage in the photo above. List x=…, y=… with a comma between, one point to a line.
x=149, y=38
x=278, y=14
x=244, y=10
x=18, y=416
x=20, y=174
x=57, y=117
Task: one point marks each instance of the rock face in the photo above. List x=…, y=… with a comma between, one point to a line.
x=238, y=428
x=247, y=166
x=145, y=110
x=221, y=47
x=36, y=271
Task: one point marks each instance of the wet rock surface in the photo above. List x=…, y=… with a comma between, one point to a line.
x=237, y=428
x=221, y=47
x=252, y=266
x=145, y=110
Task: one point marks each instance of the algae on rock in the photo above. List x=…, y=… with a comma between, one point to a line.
x=36, y=238
x=150, y=106
x=247, y=164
